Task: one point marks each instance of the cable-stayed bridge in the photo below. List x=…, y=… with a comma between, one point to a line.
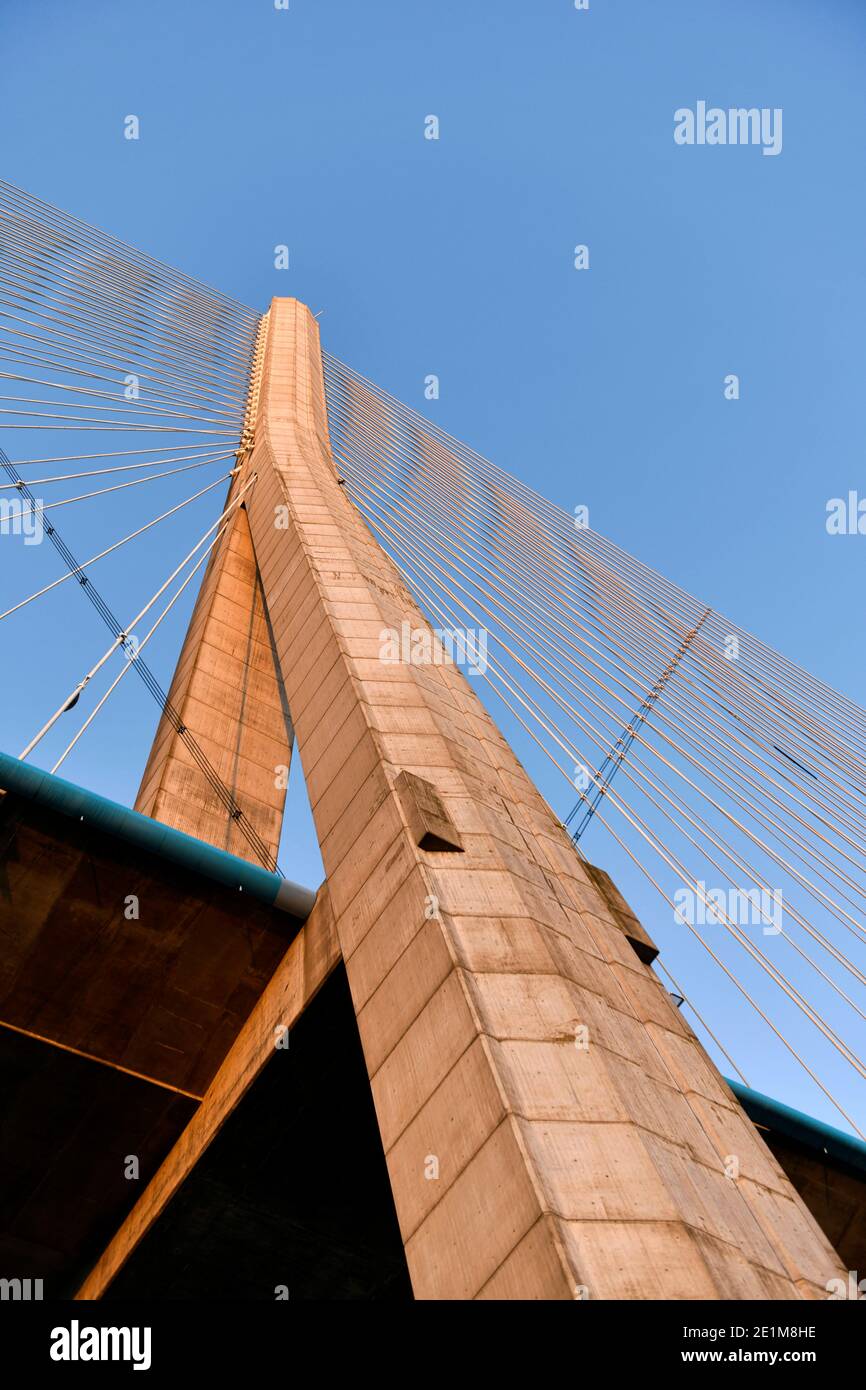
x=489, y=700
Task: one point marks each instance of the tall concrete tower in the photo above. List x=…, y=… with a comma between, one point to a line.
x=551, y=1125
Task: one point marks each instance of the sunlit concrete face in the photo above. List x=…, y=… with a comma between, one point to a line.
x=228, y=692
x=552, y=1127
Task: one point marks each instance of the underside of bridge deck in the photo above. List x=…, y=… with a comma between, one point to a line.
x=211, y=1039
x=124, y=981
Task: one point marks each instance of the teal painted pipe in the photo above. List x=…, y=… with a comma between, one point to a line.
x=813, y=1133
x=153, y=837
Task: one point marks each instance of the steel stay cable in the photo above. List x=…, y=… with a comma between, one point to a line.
x=419, y=520
x=146, y=403
x=757, y=955
x=50, y=215
x=624, y=811
x=114, y=454
x=716, y=725
x=455, y=448
x=810, y=887
x=142, y=319
x=815, y=892
x=190, y=379
x=140, y=646
x=149, y=680
x=140, y=410
x=121, y=468
x=564, y=772
x=794, y=1053
x=808, y=927
x=57, y=316
x=345, y=462
x=133, y=535
x=136, y=482
x=114, y=290
x=105, y=345
x=24, y=357
x=17, y=349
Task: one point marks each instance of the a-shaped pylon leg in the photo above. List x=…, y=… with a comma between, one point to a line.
x=552, y=1127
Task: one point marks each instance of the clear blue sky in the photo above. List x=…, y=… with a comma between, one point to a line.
x=454, y=257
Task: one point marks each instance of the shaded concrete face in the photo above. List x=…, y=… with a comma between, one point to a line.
x=307, y=965
x=511, y=1032
x=293, y=1193
x=111, y=1027
x=67, y=1128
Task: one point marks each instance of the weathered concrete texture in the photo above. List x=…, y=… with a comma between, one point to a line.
x=228, y=691
x=522, y=1164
